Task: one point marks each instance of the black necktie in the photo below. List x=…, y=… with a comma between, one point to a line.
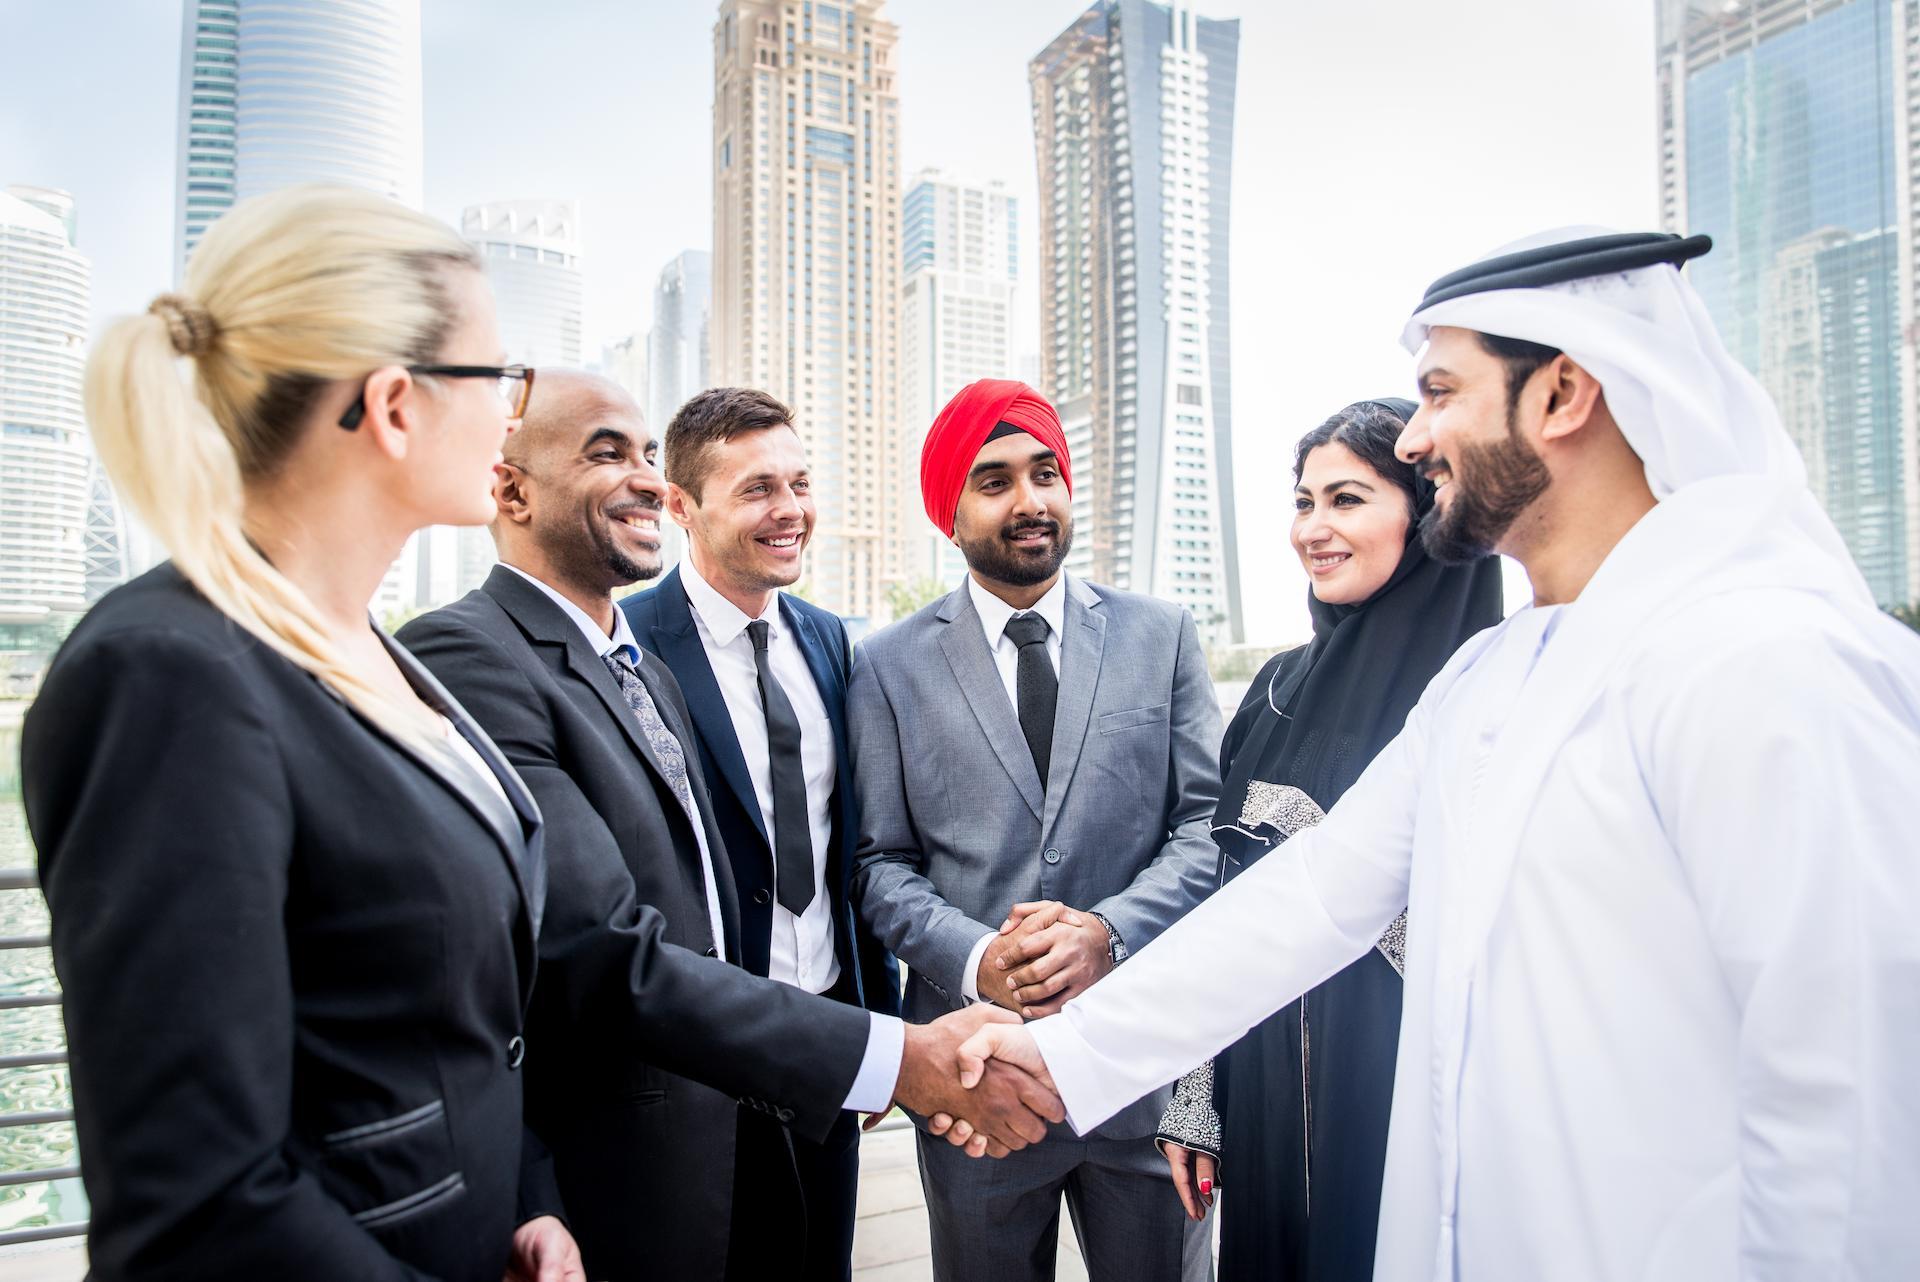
x=1037, y=686
x=792, y=835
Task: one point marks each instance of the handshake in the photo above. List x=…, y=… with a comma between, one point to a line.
x=974, y=1073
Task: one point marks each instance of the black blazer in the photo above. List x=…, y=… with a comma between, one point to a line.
x=295, y=955
x=643, y=1156
x=662, y=622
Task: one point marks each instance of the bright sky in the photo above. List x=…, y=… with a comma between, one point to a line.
x=1378, y=144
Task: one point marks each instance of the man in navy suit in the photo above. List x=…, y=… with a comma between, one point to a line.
x=765, y=677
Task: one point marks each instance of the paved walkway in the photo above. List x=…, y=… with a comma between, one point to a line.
x=890, y=1238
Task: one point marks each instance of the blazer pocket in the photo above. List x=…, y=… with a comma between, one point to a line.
x=392, y=1170
x=1128, y=718
x=386, y=1129
x=413, y=1205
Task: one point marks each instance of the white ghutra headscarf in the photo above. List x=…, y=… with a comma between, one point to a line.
x=1705, y=429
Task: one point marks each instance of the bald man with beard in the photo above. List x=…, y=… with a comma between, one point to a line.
x=652, y=1058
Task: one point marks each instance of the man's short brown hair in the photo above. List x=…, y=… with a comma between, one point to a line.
x=715, y=416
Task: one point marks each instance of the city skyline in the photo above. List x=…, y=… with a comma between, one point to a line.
x=1779, y=138
x=806, y=267
x=44, y=451
x=1384, y=139
x=961, y=259
x=1133, y=108
x=272, y=94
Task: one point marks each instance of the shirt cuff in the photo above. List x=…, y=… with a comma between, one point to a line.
x=872, y=1090
x=970, y=977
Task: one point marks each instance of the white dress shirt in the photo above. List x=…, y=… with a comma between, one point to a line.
x=994, y=614
x=872, y=1089
x=802, y=947
x=470, y=757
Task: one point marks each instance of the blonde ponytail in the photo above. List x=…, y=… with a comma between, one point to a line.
x=287, y=292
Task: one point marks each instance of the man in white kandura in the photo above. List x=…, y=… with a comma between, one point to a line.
x=1654, y=834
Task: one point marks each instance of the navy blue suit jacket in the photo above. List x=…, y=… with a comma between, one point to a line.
x=662, y=622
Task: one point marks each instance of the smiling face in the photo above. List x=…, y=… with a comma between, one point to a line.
x=1469, y=438
x=754, y=515
x=1014, y=521
x=1349, y=525
x=582, y=482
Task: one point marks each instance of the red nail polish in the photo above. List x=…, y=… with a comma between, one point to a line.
x=1206, y=1186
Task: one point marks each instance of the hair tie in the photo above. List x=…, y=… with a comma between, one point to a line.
x=189, y=325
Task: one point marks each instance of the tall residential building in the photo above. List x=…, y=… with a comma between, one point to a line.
x=1788, y=132
x=45, y=284
x=532, y=253
x=274, y=93
x=679, y=344
x=961, y=248
x=1133, y=121
x=806, y=265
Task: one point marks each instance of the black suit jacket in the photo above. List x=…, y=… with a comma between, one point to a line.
x=662, y=622
x=295, y=954
x=643, y=1156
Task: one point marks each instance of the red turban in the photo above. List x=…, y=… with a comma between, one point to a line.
x=955, y=438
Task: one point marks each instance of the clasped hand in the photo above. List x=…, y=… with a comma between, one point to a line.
x=997, y=1108
x=1047, y=954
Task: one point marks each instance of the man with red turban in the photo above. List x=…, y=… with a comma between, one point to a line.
x=1036, y=751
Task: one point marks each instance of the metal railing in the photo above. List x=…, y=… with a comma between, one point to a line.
x=25, y=879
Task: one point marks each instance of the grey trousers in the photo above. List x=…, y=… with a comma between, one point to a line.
x=999, y=1221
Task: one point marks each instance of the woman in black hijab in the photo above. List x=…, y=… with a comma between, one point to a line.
x=1296, y=1111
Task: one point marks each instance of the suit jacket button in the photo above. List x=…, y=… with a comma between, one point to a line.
x=761, y=896
x=516, y=1051
x=713, y=952
x=1052, y=856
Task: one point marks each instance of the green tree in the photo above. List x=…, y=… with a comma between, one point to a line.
x=904, y=599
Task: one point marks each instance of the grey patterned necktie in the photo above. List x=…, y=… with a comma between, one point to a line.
x=666, y=748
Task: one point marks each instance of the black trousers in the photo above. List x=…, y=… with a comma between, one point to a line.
x=777, y=1221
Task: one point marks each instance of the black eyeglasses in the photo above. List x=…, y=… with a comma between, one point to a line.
x=516, y=387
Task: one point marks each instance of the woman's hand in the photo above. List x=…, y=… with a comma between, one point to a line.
x=543, y=1251
x=1193, y=1178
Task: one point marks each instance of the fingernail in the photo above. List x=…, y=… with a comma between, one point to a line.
x=1001, y=962
x=1206, y=1187
x=1073, y=919
x=1027, y=1011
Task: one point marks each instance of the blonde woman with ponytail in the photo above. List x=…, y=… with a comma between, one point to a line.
x=294, y=889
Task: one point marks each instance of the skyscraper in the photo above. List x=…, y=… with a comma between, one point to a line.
x=625, y=362
x=806, y=264
x=1133, y=120
x=273, y=93
x=45, y=284
x=1786, y=133
x=678, y=344
x=961, y=247
x=531, y=249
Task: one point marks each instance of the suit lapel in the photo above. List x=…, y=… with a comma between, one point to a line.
x=547, y=624
x=826, y=677
x=833, y=694
x=514, y=822
x=1083, y=640
x=965, y=646
x=678, y=643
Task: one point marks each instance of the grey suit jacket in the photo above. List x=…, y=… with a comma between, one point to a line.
x=954, y=825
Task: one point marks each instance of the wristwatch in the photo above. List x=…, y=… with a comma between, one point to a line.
x=1116, y=946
